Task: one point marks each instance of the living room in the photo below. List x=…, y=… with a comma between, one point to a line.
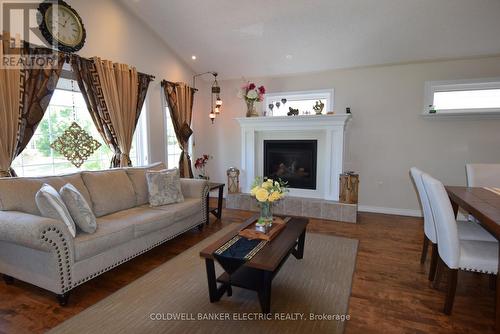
x=220, y=166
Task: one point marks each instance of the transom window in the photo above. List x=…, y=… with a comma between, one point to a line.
x=462, y=97
x=304, y=101
x=39, y=159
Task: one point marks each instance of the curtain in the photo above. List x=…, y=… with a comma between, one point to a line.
x=114, y=94
x=10, y=114
x=179, y=97
x=34, y=90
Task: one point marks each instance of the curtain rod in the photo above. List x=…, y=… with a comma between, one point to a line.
x=174, y=83
x=66, y=54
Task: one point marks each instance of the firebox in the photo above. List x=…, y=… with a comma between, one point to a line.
x=294, y=161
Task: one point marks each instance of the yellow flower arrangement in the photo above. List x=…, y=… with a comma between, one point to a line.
x=267, y=192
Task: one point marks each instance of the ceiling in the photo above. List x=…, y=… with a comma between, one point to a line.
x=278, y=37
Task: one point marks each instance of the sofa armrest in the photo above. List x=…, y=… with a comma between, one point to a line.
x=34, y=231
x=194, y=188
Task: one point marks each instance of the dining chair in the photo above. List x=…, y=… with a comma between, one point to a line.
x=454, y=253
x=483, y=175
x=466, y=230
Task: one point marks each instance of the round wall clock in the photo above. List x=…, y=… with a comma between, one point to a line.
x=61, y=26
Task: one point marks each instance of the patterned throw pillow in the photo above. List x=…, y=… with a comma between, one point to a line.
x=164, y=187
x=78, y=208
x=51, y=205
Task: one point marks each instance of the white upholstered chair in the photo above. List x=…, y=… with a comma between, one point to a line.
x=455, y=253
x=483, y=175
x=466, y=230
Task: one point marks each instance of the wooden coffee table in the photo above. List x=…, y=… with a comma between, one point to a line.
x=256, y=274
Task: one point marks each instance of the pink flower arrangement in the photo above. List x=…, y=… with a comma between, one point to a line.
x=202, y=162
x=251, y=93
x=200, y=165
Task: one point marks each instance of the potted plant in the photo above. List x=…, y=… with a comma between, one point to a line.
x=200, y=165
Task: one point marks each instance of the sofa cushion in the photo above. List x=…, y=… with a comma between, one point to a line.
x=51, y=205
x=109, y=233
x=144, y=219
x=18, y=193
x=110, y=191
x=137, y=176
x=79, y=209
x=164, y=187
x=189, y=207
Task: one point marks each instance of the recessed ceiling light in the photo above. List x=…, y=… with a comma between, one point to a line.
x=193, y=57
x=288, y=56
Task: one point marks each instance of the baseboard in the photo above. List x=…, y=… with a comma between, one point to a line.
x=390, y=211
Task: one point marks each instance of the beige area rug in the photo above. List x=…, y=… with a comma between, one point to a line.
x=319, y=284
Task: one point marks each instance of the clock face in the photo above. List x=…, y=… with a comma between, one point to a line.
x=63, y=25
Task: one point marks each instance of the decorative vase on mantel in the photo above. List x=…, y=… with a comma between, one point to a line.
x=251, y=112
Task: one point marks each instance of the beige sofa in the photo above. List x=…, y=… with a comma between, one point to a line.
x=41, y=251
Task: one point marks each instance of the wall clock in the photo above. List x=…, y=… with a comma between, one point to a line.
x=61, y=26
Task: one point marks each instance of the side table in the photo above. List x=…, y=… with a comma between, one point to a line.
x=217, y=212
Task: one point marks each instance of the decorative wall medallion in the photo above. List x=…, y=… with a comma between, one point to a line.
x=76, y=145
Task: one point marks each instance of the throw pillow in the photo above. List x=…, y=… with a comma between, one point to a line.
x=78, y=208
x=164, y=187
x=51, y=205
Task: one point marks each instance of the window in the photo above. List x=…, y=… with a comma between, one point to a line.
x=462, y=97
x=304, y=101
x=173, y=148
x=39, y=159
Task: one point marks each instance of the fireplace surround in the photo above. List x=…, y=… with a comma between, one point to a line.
x=328, y=133
x=327, y=130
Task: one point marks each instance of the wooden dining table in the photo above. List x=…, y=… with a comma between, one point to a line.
x=484, y=205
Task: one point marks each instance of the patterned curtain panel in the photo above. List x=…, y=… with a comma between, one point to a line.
x=90, y=87
x=35, y=87
x=142, y=91
x=179, y=97
x=114, y=94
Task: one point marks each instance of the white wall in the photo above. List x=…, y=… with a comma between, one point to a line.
x=115, y=34
x=387, y=134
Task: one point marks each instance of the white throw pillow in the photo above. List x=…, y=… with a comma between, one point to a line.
x=51, y=205
x=164, y=187
x=78, y=208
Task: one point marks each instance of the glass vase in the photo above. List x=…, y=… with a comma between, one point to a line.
x=251, y=112
x=266, y=215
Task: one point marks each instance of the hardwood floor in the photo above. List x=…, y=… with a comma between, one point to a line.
x=390, y=294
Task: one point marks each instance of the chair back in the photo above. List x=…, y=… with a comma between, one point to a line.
x=483, y=175
x=429, y=226
x=446, y=225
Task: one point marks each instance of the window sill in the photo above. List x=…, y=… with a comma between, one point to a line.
x=463, y=115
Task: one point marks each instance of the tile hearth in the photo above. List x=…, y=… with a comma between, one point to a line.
x=299, y=206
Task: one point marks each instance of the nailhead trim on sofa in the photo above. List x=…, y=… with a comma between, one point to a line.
x=55, y=239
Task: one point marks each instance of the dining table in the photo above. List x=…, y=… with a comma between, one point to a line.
x=484, y=204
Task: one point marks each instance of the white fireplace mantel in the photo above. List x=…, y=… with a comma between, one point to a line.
x=328, y=130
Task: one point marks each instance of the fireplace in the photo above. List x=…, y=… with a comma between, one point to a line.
x=294, y=161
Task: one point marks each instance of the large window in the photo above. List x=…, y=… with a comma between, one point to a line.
x=304, y=101
x=39, y=159
x=462, y=97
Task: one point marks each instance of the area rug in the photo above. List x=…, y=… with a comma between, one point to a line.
x=308, y=296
